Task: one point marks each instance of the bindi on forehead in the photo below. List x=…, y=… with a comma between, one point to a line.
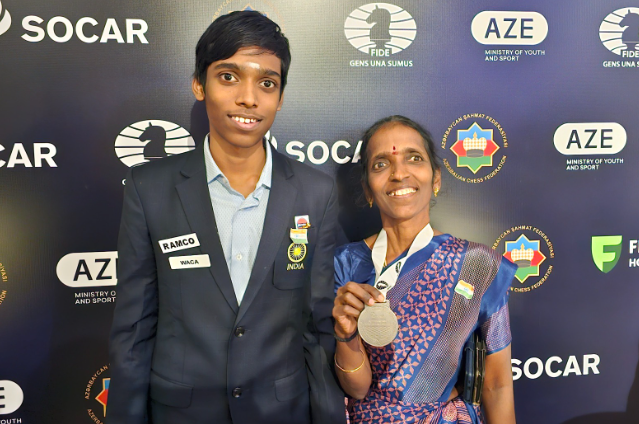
x=394, y=150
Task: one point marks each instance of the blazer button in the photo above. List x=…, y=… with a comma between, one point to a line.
x=239, y=331
x=237, y=392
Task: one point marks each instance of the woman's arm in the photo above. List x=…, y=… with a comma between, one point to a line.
x=351, y=361
x=497, y=395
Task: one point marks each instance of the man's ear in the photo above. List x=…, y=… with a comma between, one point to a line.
x=198, y=89
x=279, y=105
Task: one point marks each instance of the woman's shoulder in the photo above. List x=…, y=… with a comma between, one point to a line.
x=359, y=248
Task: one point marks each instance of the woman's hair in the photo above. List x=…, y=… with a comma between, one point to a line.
x=429, y=144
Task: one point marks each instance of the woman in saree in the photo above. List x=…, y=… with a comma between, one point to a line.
x=445, y=289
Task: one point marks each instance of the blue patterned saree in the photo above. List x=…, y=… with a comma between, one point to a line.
x=444, y=292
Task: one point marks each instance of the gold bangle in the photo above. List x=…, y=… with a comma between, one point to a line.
x=353, y=370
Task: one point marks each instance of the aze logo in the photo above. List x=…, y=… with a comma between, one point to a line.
x=145, y=141
x=509, y=28
x=590, y=138
x=89, y=269
x=11, y=397
x=606, y=251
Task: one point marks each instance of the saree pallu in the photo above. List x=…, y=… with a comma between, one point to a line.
x=443, y=293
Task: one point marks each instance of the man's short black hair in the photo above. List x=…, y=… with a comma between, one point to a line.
x=231, y=32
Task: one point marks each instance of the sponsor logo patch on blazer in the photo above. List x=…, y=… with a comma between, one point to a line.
x=191, y=261
x=179, y=243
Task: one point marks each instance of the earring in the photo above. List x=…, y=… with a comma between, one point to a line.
x=370, y=203
x=436, y=191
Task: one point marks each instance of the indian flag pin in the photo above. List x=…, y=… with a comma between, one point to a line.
x=465, y=289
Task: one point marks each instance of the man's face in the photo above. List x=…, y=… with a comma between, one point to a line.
x=242, y=96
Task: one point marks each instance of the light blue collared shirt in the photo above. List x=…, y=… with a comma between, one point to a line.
x=239, y=220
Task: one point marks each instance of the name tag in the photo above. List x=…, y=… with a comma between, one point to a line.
x=179, y=243
x=192, y=261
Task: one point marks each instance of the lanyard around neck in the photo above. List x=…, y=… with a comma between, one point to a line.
x=385, y=279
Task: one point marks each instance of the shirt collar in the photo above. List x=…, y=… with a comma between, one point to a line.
x=213, y=172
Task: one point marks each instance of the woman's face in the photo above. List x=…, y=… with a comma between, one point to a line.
x=400, y=176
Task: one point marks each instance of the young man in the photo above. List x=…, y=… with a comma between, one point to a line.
x=226, y=260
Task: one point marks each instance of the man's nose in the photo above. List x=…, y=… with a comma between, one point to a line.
x=246, y=96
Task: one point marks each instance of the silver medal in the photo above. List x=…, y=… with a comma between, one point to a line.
x=377, y=324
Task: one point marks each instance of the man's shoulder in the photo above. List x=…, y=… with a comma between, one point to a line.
x=163, y=168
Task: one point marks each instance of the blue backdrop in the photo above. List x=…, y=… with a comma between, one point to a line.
x=533, y=106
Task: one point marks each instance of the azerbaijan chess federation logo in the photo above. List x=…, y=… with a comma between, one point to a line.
x=532, y=251
x=4, y=278
x=474, y=148
x=526, y=255
x=97, y=393
x=5, y=20
x=606, y=251
x=145, y=141
x=477, y=145
x=380, y=29
x=619, y=32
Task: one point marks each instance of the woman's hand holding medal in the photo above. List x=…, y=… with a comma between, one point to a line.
x=349, y=303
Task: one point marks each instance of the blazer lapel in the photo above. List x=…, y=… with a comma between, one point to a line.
x=196, y=201
x=276, y=224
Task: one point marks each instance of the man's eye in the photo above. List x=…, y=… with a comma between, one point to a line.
x=268, y=84
x=227, y=77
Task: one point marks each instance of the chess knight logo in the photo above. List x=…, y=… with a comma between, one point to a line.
x=380, y=29
x=145, y=141
x=619, y=32
x=532, y=251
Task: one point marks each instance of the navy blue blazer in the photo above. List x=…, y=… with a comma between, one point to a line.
x=182, y=350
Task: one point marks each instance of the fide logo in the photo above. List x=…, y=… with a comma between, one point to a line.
x=619, y=32
x=380, y=29
x=5, y=20
x=145, y=141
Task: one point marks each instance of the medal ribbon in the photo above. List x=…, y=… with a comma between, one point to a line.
x=386, y=280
